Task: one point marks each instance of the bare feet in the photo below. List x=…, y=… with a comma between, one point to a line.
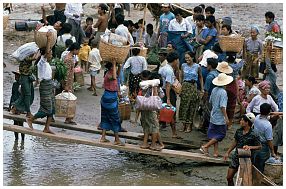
x=94, y=94
x=143, y=146
x=29, y=122
x=104, y=140
x=29, y=115
x=155, y=148
x=118, y=143
x=204, y=150
x=48, y=131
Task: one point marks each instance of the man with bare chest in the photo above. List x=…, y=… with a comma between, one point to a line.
x=102, y=21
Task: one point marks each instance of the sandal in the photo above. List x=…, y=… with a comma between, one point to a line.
x=155, y=148
x=144, y=147
x=104, y=140
x=119, y=144
x=202, y=150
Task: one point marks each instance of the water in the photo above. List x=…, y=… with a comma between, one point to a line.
x=41, y=161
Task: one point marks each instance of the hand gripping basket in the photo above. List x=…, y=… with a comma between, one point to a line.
x=109, y=51
x=231, y=43
x=65, y=105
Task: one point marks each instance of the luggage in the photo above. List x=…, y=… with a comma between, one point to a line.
x=167, y=113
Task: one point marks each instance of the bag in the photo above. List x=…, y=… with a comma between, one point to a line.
x=167, y=113
x=25, y=50
x=152, y=103
x=177, y=87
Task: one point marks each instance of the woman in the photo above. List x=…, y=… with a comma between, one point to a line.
x=110, y=119
x=70, y=61
x=45, y=88
x=219, y=119
x=264, y=97
x=252, y=53
x=189, y=98
x=226, y=30
x=252, y=90
x=209, y=35
x=137, y=64
x=244, y=138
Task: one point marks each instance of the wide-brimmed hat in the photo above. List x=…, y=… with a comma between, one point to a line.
x=166, y=5
x=163, y=51
x=224, y=68
x=222, y=79
x=16, y=72
x=250, y=116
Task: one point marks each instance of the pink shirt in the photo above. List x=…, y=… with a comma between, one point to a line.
x=109, y=83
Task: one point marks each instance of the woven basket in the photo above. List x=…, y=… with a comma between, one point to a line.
x=231, y=44
x=109, y=51
x=41, y=38
x=5, y=21
x=124, y=111
x=276, y=55
x=64, y=107
x=78, y=77
x=143, y=52
x=273, y=171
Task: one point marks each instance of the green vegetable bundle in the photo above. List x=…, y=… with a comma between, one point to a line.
x=61, y=69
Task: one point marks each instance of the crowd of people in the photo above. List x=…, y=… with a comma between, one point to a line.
x=213, y=82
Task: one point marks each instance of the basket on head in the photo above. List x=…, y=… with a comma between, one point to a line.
x=124, y=111
x=231, y=43
x=41, y=36
x=276, y=56
x=109, y=51
x=5, y=21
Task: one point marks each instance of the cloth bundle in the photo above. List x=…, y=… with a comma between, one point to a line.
x=149, y=83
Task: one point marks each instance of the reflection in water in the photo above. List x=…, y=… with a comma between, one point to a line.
x=17, y=164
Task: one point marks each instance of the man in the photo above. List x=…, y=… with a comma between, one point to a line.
x=162, y=57
x=192, y=19
x=150, y=37
x=102, y=21
x=272, y=25
x=165, y=19
x=168, y=76
x=180, y=24
x=121, y=29
x=263, y=129
x=46, y=87
x=74, y=13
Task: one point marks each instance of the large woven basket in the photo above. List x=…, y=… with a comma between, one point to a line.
x=231, y=43
x=143, y=52
x=5, y=21
x=124, y=111
x=79, y=78
x=276, y=55
x=109, y=51
x=273, y=171
x=65, y=107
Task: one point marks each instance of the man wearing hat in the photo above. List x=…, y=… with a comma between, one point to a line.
x=218, y=119
x=15, y=95
x=165, y=19
x=244, y=138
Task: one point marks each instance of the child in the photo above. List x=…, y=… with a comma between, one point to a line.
x=94, y=60
x=83, y=54
x=67, y=45
x=87, y=28
x=14, y=97
x=149, y=119
x=244, y=138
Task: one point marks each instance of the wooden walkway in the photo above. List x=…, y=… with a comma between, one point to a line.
x=128, y=147
x=88, y=129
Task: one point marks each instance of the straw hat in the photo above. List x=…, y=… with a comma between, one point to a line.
x=250, y=116
x=222, y=79
x=224, y=68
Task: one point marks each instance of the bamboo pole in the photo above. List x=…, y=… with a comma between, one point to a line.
x=144, y=18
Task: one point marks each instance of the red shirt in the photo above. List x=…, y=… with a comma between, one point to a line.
x=109, y=83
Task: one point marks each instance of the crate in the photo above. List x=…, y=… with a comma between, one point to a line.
x=124, y=111
x=65, y=105
x=276, y=55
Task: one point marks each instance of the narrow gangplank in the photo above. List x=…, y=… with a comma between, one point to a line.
x=88, y=129
x=128, y=147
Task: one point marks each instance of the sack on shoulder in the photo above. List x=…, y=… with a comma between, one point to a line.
x=177, y=87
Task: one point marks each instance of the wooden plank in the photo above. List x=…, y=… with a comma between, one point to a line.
x=88, y=129
x=245, y=171
x=259, y=179
x=128, y=147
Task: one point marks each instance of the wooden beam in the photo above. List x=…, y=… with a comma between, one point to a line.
x=88, y=129
x=128, y=147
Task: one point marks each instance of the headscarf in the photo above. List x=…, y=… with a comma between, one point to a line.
x=255, y=27
x=264, y=84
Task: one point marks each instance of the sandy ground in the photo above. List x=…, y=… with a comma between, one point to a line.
x=88, y=106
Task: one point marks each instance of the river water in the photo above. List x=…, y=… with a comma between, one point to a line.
x=41, y=161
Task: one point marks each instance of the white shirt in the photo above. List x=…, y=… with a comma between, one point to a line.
x=61, y=40
x=44, y=69
x=168, y=75
x=122, y=31
x=190, y=19
x=63, y=55
x=183, y=26
x=73, y=8
x=254, y=105
x=137, y=64
x=151, y=41
x=94, y=59
x=207, y=54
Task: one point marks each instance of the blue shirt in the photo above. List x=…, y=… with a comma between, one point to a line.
x=218, y=100
x=165, y=21
x=167, y=74
x=236, y=67
x=263, y=129
x=190, y=72
x=210, y=32
x=208, y=82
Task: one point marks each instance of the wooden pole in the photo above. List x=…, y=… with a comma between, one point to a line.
x=128, y=147
x=144, y=18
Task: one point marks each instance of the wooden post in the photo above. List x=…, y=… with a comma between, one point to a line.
x=144, y=18
x=245, y=167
